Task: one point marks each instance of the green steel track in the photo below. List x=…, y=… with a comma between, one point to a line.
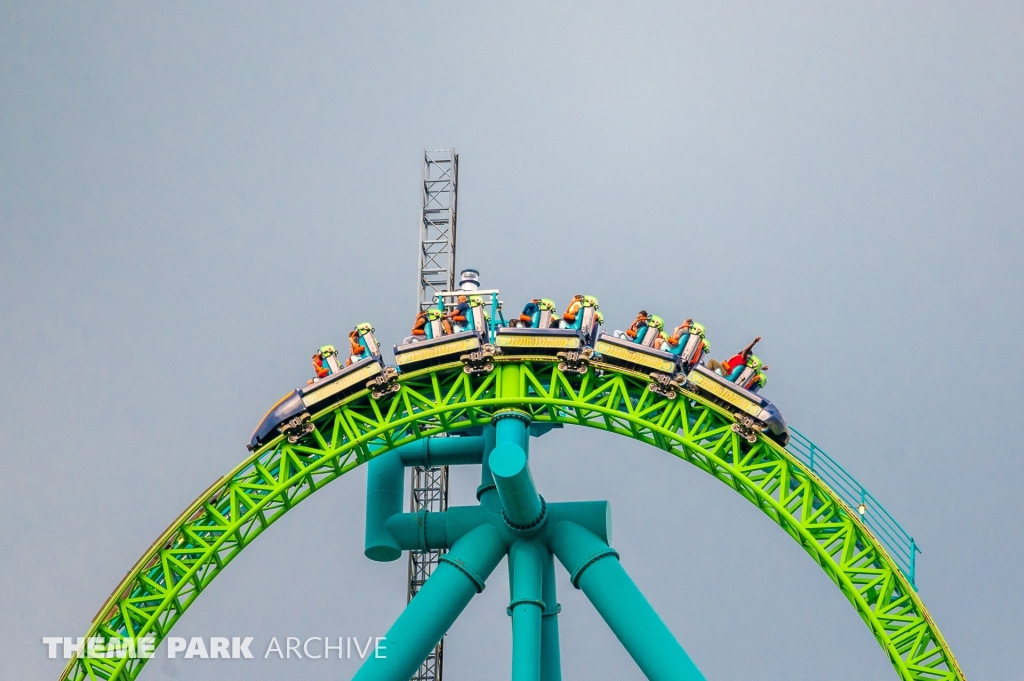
x=238, y=507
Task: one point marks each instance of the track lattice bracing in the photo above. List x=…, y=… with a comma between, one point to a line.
x=237, y=508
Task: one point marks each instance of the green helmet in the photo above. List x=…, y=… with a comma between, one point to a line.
x=590, y=301
x=476, y=301
x=656, y=321
x=433, y=313
x=546, y=304
x=364, y=328
x=754, y=362
x=328, y=350
x=698, y=329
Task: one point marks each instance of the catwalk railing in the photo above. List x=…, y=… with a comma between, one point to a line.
x=897, y=541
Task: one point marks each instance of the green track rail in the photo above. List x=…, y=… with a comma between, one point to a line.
x=238, y=507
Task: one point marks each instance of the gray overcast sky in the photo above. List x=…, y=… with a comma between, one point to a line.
x=193, y=197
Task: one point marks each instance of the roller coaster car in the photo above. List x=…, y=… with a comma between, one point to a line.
x=636, y=357
x=753, y=413
x=292, y=412
x=567, y=345
x=522, y=341
x=425, y=353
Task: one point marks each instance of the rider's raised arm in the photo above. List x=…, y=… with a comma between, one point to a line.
x=746, y=351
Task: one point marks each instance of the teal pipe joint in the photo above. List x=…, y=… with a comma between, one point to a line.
x=467, y=570
x=522, y=507
x=387, y=531
x=578, y=549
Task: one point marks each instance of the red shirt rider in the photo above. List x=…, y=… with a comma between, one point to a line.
x=739, y=358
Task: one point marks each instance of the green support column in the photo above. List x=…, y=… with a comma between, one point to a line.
x=550, y=653
x=526, y=568
x=458, y=578
x=510, y=380
x=594, y=567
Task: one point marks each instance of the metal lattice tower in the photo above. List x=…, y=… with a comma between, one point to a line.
x=437, y=224
x=436, y=273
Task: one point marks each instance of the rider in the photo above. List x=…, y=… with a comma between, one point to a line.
x=325, y=362
x=458, y=315
x=320, y=367
x=537, y=313
x=530, y=315
x=419, y=327
x=731, y=368
x=362, y=344
x=355, y=348
x=430, y=323
x=651, y=332
x=572, y=317
x=638, y=327
x=677, y=342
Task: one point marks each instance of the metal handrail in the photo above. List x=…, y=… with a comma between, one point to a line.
x=897, y=541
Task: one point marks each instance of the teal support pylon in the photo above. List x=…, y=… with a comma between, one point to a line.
x=594, y=568
x=460, y=576
x=510, y=468
x=550, y=653
x=526, y=576
x=512, y=519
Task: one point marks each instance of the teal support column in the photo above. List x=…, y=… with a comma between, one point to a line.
x=594, y=567
x=510, y=428
x=511, y=471
x=486, y=479
x=550, y=652
x=385, y=493
x=526, y=570
x=459, y=577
